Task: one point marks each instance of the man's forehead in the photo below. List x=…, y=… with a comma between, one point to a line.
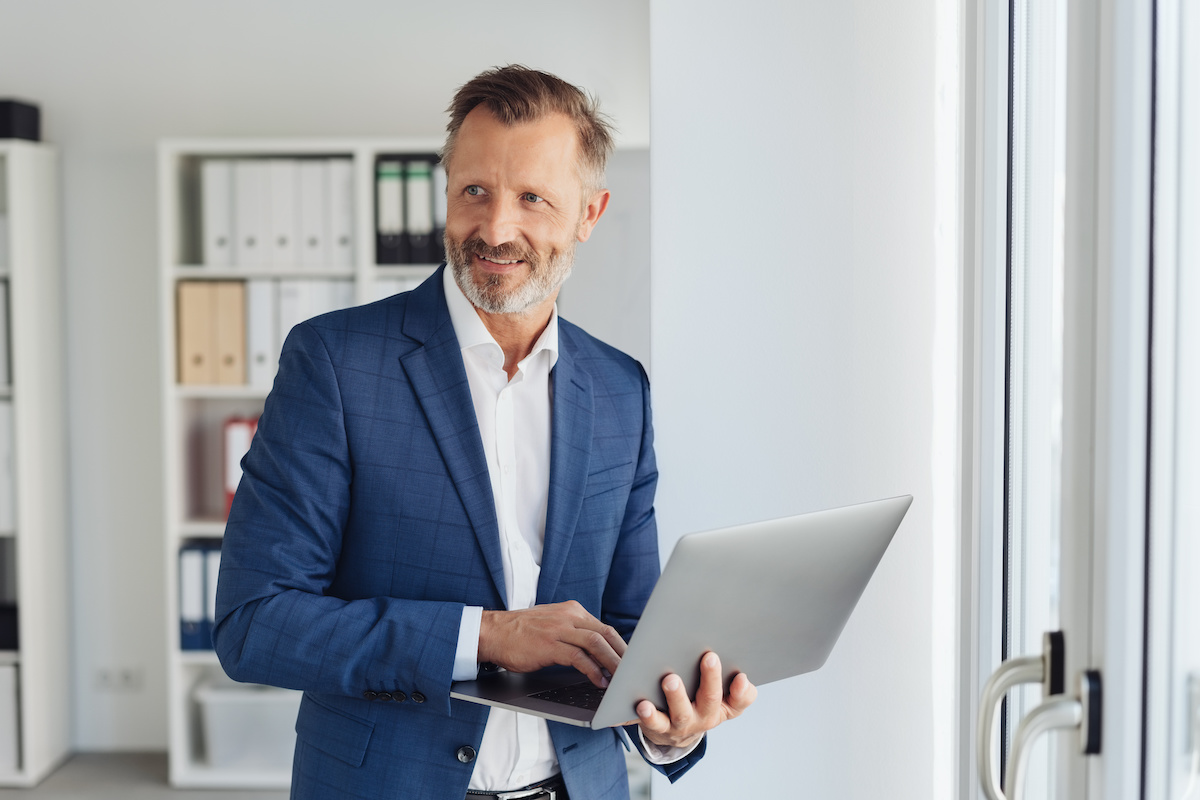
x=552, y=136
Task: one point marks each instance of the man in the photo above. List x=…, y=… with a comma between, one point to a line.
x=454, y=477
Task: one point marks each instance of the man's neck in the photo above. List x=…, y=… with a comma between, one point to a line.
x=518, y=333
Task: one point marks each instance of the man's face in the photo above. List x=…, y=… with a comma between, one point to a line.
x=515, y=210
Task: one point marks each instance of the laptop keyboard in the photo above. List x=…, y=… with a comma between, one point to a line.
x=578, y=695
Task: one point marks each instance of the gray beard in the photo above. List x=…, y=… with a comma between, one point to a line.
x=545, y=277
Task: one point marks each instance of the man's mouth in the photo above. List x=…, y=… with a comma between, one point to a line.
x=501, y=261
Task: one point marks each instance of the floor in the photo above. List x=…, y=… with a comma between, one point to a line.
x=143, y=776
x=123, y=776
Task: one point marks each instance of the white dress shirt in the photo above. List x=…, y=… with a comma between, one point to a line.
x=514, y=424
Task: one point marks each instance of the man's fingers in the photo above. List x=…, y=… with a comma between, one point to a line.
x=580, y=660
x=601, y=642
x=709, y=693
x=592, y=645
x=651, y=719
x=614, y=639
x=742, y=693
x=689, y=720
x=679, y=705
x=560, y=633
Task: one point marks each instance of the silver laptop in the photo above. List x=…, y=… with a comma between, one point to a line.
x=770, y=598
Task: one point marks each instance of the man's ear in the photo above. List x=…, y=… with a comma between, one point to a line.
x=592, y=213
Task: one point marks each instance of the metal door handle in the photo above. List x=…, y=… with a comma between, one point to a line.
x=1057, y=712
x=1046, y=669
x=1081, y=712
x=1015, y=671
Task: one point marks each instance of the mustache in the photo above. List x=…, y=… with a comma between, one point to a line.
x=509, y=251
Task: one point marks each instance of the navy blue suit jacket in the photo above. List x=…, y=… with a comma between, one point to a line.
x=365, y=521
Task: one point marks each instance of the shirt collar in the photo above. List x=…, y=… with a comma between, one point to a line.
x=472, y=333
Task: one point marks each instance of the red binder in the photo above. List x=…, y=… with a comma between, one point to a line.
x=239, y=431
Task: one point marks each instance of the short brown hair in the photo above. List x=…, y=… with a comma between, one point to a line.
x=518, y=94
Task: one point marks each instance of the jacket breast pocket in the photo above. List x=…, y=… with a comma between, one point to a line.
x=608, y=478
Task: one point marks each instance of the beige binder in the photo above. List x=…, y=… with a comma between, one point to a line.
x=195, y=335
x=229, y=302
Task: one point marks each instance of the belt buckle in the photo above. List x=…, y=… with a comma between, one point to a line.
x=538, y=794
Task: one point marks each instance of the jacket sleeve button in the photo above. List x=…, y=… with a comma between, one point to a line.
x=384, y=696
x=417, y=697
x=466, y=754
x=399, y=696
x=369, y=695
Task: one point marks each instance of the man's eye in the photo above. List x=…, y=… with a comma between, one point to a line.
x=530, y=197
x=474, y=191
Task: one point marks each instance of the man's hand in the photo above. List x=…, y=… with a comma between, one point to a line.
x=560, y=633
x=688, y=720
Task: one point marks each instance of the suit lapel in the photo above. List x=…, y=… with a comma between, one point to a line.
x=435, y=372
x=570, y=453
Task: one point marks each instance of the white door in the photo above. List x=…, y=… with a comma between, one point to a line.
x=1089, y=349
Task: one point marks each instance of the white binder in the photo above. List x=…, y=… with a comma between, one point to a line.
x=389, y=199
x=262, y=330
x=212, y=568
x=9, y=726
x=439, y=197
x=251, y=197
x=8, y=476
x=314, y=251
x=284, y=210
x=295, y=304
x=5, y=367
x=216, y=212
x=386, y=287
x=330, y=295
x=4, y=244
x=341, y=212
x=342, y=294
x=191, y=598
x=418, y=199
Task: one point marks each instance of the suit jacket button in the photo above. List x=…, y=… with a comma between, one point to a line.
x=369, y=695
x=417, y=697
x=384, y=696
x=399, y=696
x=466, y=754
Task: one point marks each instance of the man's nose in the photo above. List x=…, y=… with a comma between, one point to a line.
x=499, y=223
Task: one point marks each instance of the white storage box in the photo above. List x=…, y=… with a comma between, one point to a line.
x=247, y=726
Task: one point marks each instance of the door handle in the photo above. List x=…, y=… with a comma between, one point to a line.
x=1083, y=712
x=1046, y=669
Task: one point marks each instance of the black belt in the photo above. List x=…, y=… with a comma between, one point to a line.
x=549, y=789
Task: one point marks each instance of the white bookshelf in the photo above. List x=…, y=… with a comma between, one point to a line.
x=34, y=552
x=192, y=414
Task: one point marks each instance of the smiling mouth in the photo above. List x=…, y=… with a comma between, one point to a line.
x=501, y=261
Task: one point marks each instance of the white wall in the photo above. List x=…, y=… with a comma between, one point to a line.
x=608, y=294
x=793, y=301
x=113, y=78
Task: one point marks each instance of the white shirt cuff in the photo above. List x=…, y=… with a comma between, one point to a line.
x=466, y=656
x=662, y=756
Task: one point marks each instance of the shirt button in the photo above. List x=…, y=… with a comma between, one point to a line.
x=466, y=754
x=417, y=697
